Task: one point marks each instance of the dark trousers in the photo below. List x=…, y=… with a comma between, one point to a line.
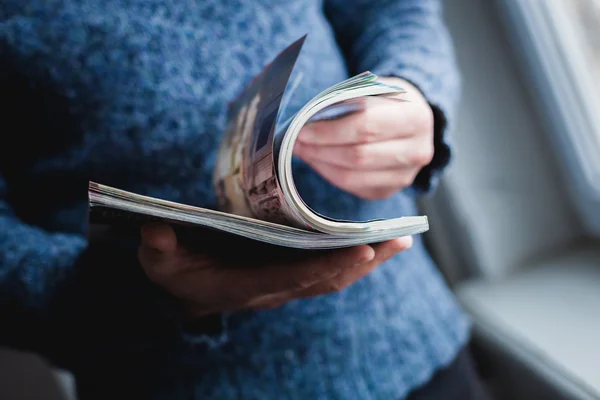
x=458, y=381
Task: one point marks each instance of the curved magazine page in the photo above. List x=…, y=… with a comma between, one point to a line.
x=323, y=102
x=334, y=111
x=245, y=179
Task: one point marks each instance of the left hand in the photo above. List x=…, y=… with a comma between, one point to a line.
x=204, y=284
x=376, y=152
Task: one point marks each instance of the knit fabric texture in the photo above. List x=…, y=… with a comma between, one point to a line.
x=134, y=94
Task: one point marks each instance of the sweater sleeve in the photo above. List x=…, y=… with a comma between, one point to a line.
x=61, y=287
x=405, y=39
x=33, y=262
x=59, y=290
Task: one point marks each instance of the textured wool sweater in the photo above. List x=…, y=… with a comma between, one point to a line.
x=134, y=94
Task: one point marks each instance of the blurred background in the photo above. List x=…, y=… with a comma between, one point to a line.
x=515, y=223
x=516, y=220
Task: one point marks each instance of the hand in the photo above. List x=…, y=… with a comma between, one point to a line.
x=204, y=285
x=375, y=152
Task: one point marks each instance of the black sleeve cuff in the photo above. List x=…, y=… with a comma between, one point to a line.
x=428, y=177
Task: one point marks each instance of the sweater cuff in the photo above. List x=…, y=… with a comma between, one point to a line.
x=428, y=178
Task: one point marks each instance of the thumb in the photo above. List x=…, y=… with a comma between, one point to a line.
x=160, y=237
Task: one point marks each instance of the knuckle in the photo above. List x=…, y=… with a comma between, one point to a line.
x=406, y=180
x=370, y=195
x=423, y=155
x=296, y=280
x=335, y=286
x=260, y=305
x=346, y=179
x=380, y=193
x=161, y=276
x=426, y=120
x=249, y=287
x=267, y=302
x=359, y=156
x=241, y=295
x=369, y=134
x=154, y=274
x=296, y=283
x=164, y=267
x=264, y=307
x=271, y=305
x=386, y=193
x=369, y=131
x=316, y=152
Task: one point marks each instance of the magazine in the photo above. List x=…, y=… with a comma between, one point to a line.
x=253, y=173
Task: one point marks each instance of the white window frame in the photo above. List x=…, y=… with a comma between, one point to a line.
x=561, y=78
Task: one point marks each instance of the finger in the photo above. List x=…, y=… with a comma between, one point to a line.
x=158, y=243
x=160, y=255
x=390, y=154
x=383, y=252
x=160, y=237
x=366, y=184
x=254, y=283
x=156, y=264
x=382, y=120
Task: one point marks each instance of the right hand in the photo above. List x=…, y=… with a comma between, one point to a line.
x=204, y=286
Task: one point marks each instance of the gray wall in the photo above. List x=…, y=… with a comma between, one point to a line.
x=502, y=201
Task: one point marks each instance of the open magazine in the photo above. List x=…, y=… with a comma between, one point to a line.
x=253, y=174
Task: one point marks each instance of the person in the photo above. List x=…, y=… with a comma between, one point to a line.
x=134, y=94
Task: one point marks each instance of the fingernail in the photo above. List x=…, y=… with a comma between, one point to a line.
x=365, y=258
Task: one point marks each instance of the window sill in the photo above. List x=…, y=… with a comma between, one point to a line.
x=545, y=318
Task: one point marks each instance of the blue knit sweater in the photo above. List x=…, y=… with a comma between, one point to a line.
x=133, y=94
